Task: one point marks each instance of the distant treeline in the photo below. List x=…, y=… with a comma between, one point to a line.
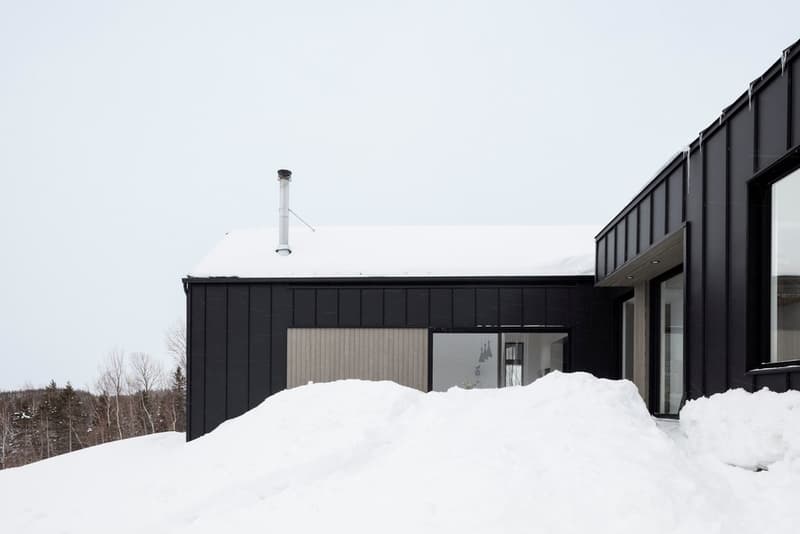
x=133, y=396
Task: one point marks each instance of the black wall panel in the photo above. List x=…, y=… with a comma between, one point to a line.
x=741, y=151
x=486, y=312
x=715, y=259
x=349, y=308
x=216, y=355
x=558, y=306
x=633, y=234
x=659, y=217
x=621, y=243
x=442, y=308
x=644, y=224
x=394, y=307
x=534, y=306
x=327, y=307
x=260, y=330
x=675, y=200
x=601, y=259
x=694, y=277
x=795, y=103
x=305, y=308
x=196, y=361
x=281, y=314
x=418, y=308
x=611, y=252
x=773, y=120
x=511, y=306
x=775, y=382
x=464, y=307
x=372, y=307
x=238, y=346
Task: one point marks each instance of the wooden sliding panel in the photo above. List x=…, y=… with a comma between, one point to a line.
x=328, y=354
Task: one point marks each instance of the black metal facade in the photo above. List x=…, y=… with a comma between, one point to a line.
x=711, y=190
x=237, y=328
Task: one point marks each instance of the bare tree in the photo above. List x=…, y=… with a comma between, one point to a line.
x=112, y=381
x=6, y=430
x=176, y=344
x=146, y=376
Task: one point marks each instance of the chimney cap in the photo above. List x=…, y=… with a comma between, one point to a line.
x=284, y=174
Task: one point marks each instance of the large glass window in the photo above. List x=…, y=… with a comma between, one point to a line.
x=474, y=360
x=465, y=360
x=670, y=368
x=626, y=341
x=785, y=269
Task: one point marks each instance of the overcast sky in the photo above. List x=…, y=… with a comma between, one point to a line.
x=134, y=134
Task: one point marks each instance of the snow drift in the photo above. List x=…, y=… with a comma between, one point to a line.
x=569, y=453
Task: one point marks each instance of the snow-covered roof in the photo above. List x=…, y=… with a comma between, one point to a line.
x=404, y=251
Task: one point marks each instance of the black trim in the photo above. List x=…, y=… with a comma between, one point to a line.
x=655, y=338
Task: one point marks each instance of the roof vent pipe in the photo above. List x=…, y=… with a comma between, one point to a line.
x=284, y=178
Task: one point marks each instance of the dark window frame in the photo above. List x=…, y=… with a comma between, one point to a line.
x=759, y=263
x=499, y=331
x=655, y=343
x=619, y=304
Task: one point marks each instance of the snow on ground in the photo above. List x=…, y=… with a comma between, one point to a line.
x=569, y=453
x=385, y=251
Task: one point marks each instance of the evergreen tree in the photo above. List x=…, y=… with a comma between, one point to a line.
x=179, y=400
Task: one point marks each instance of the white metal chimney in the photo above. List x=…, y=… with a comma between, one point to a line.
x=284, y=178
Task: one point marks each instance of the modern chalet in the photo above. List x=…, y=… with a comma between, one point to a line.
x=692, y=289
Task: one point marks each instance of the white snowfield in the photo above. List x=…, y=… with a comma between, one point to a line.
x=567, y=454
x=418, y=251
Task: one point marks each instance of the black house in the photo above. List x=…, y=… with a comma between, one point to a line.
x=692, y=289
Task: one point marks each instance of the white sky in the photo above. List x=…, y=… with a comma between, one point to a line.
x=134, y=134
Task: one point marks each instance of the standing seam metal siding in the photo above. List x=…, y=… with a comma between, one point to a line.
x=328, y=354
x=755, y=135
x=238, y=329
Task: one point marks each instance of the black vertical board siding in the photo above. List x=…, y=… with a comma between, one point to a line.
x=372, y=307
x=775, y=382
x=259, y=330
x=441, y=308
x=305, y=308
x=238, y=335
x=216, y=355
x=486, y=307
x=715, y=239
x=740, y=157
x=557, y=306
x=633, y=234
x=394, y=307
x=794, y=380
x=534, y=306
x=580, y=332
x=611, y=252
x=694, y=278
x=511, y=306
x=659, y=212
x=795, y=102
x=773, y=120
x=675, y=200
x=327, y=307
x=417, y=308
x=621, y=243
x=644, y=224
x=197, y=353
x=281, y=317
x=463, y=307
x=350, y=308
x=601, y=259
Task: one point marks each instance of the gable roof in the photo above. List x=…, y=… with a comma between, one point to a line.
x=404, y=251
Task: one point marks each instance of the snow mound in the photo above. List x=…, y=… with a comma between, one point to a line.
x=750, y=430
x=568, y=454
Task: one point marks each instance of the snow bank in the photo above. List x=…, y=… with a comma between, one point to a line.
x=750, y=430
x=386, y=251
x=567, y=454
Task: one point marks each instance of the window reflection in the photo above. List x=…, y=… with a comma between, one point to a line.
x=785, y=270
